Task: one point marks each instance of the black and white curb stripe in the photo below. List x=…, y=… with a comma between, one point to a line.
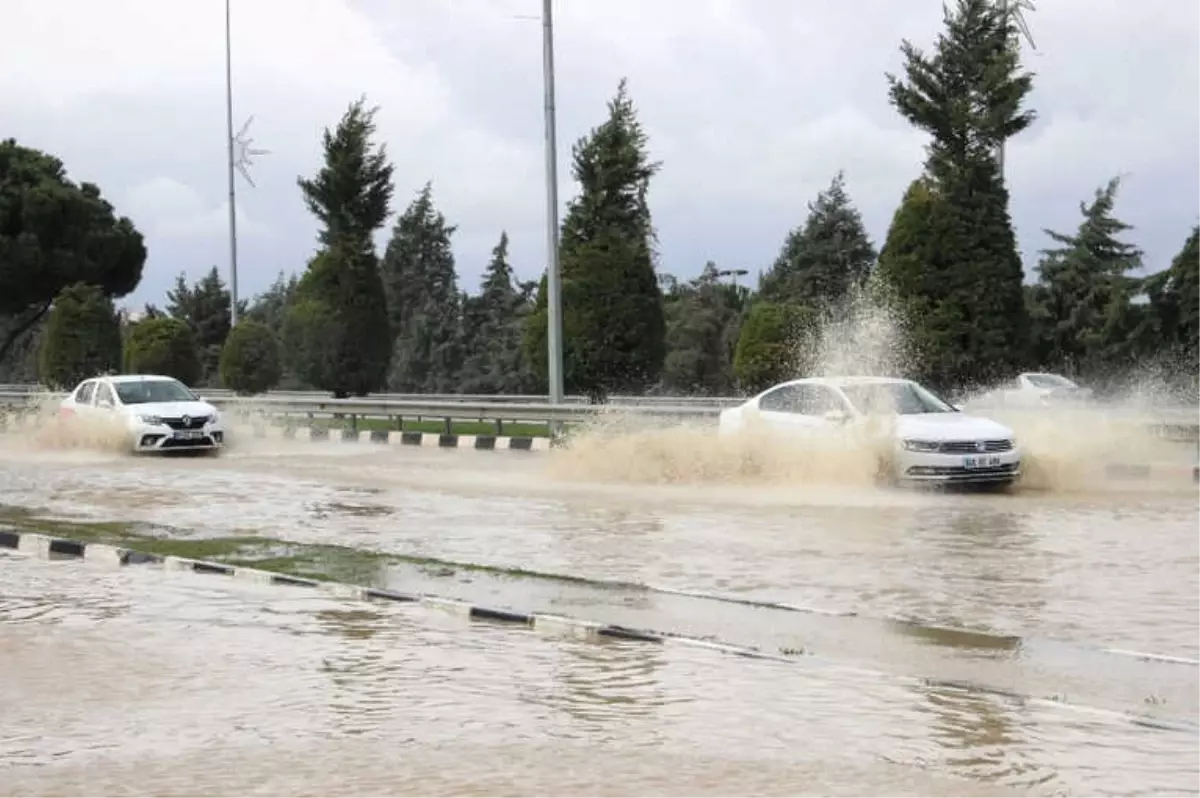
x=521, y=443
x=46, y=547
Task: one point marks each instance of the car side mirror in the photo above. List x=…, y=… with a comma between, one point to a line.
x=834, y=416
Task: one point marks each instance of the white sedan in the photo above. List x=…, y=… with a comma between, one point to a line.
x=160, y=413
x=1035, y=389
x=932, y=441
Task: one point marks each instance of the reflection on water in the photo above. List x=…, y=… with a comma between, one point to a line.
x=201, y=685
x=968, y=559
x=1105, y=568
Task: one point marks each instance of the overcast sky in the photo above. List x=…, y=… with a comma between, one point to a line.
x=752, y=105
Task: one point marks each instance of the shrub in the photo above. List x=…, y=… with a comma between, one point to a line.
x=250, y=359
x=163, y=346
x=771, y=347
x=82, y=338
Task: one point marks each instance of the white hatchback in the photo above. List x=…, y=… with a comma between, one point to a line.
x=161, y=414
x=931, y=440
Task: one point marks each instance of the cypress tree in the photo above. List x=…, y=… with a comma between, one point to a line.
x=825, y=257
x=340, y=313
x=424, y=305
x=614, y=330
x=1084, y=320
x=963, y=289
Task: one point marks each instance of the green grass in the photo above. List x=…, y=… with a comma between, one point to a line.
x=516, y=429
x=314, y=561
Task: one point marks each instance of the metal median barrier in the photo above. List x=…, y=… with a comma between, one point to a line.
x=449, y=411
x=350, y=412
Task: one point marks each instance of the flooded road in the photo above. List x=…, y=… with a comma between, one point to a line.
x=1067, y=572
x=1118, y=566
x=140, y=681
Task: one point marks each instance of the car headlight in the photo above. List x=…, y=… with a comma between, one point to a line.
x=150, y=419
x=921, y=446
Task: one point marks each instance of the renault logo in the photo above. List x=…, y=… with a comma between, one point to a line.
x=187, y=421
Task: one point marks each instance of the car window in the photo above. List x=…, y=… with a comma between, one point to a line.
x=83, y=396
x=104, y=395
x=1050, y=381
x=136, y=392
x=901, y=398
x=802, y=399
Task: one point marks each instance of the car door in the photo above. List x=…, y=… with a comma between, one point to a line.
x=105, y=400
x=791, y=408
x=81, y=401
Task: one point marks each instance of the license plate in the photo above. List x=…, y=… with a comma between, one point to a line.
x=189, y=434
x=983, y=461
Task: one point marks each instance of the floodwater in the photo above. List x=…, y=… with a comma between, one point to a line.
x=366, y=699
x=139, y=681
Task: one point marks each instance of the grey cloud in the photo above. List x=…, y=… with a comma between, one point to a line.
x=752, y=106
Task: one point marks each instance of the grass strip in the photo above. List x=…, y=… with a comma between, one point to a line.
x=324, y=562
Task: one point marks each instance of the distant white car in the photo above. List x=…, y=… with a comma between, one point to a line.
x=932, y=441
x=161, y=413
x=1035, y=389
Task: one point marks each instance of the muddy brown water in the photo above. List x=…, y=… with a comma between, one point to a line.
x=199, y=677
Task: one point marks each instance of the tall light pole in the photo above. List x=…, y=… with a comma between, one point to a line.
x=1015, y=9
x=240, y=161
x=233, y=284
x=554, y=344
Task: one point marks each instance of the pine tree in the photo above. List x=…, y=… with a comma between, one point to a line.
x=337, y=329
x=1084, y=322
x=826, y=256
x=424, y=305
x=703, y=323
x=964, y=291
x=493, y=325
x=206, y=308
x=1183, y=291
x=613, y=325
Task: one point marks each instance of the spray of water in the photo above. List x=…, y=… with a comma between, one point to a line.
x=39, y=427
x=1066, y=448
x=861, y=336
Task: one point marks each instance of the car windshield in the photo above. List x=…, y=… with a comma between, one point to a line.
x=901, y=398
x=140, y=392
x=1051, y=381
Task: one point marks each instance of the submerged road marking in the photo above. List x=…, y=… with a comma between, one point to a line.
x=45, y=547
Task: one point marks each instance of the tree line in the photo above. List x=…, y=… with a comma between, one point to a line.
x=357, y=321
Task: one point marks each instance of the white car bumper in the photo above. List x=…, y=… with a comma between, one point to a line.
x=964, y=468
x=173, y=436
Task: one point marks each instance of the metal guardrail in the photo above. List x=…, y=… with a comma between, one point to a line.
x=353, y=409
x=1179, y=424
x=525, y=399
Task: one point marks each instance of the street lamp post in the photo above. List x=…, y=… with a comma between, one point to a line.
x=239, y=154
x=554, y=344
x=233, y=274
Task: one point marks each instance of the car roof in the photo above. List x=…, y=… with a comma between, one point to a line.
x=136, y=377
x=841, y=382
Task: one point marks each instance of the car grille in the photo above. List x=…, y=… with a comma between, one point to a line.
x=194, y=422
x=971, y=447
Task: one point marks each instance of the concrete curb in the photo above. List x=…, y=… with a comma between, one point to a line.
x=520, y=443
x=53, y=548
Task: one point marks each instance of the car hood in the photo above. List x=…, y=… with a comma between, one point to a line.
x=171, y=409
x=949, y=427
